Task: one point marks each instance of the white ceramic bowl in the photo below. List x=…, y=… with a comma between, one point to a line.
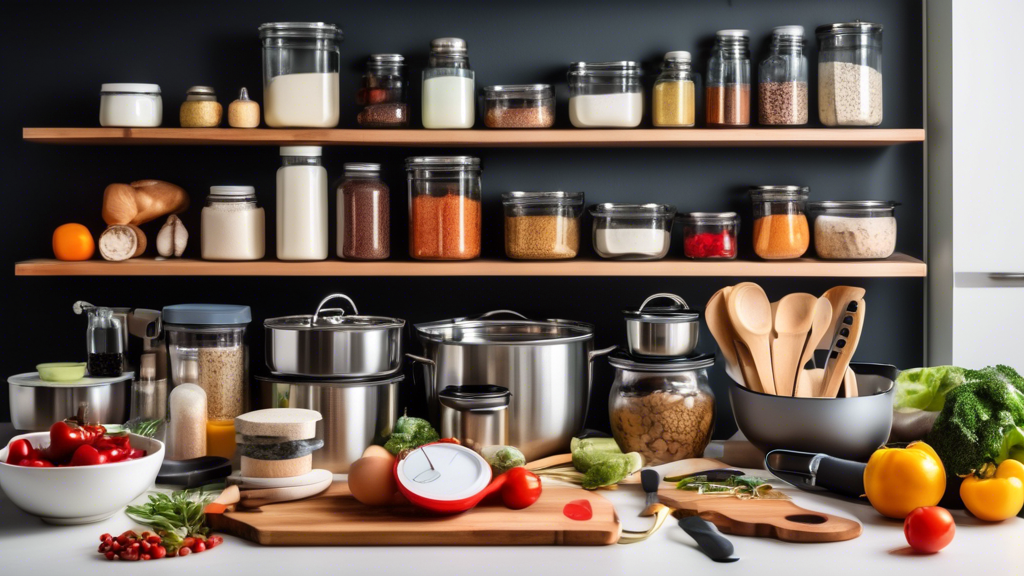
x=79, y=494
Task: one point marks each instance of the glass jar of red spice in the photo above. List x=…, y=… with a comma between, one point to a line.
x=444, y=207
x=709, y=235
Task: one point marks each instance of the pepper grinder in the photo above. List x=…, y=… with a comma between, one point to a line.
x=244, y=113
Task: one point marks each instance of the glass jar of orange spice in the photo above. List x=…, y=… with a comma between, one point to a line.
x=444, y=207
x=780, y=225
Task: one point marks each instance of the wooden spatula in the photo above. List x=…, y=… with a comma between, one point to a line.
x=843, y=348
x=821, y=324
x=839, y=297
x=751, y=315
x=794, y=317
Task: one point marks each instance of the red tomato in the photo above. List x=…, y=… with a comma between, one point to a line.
x=929, y=529
x=88, y=456
x=66, y=438
x=521, y=489
x=18, y=450
x=36, y=463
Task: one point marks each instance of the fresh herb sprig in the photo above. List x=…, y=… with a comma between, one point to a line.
x=174, y=517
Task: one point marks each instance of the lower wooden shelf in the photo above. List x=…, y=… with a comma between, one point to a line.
x=899, y=265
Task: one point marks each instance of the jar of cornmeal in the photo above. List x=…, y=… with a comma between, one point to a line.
x=673, y=100
x=780, y=225
x=542, y=225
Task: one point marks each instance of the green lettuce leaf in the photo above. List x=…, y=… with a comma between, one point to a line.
x=926, y=388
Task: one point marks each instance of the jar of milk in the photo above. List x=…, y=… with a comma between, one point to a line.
x=301, y=63
x=448, y=86
x=301, y=204
x=233, y=226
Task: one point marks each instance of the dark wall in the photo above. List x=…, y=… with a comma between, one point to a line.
x=64, y=51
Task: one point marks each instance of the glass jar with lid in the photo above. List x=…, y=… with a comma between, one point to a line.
x=781, y=231
x=605, y=94
x=850, y=74
x=444, y=207
x=364, y=214
x=383, y=93
x=727, y=93
x=519, y=106
x=542, y=225
x=662, y=408
x=673, y=100
x=301, y=66
x=632, y=231
x=449, y=86
x=710, y=235
x=200, y=108
x=782, y=86
x=233, y=226
x=853, y=229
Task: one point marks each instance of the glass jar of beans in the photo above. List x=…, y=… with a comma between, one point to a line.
x=444, y=207
x=709, y=235
x=542, y=225
x=781, y=231
x=519, y=106
x=383, y=93
x=364, y=214
x=782, y=90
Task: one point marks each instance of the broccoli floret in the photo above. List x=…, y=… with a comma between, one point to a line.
x=503, y=458
x=410, y=433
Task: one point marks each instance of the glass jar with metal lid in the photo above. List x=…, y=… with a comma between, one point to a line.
x=632, y=231
x=475, y=414
x=728, y=81
x=200, y=108
x=364, y=214
x=662, y=408
x=780, y=226
x=131, y=105
x=301, y=64
x=542, y=225
x=782, y=86
x=449, y=86
x=673, y=100
x=853, y=229
x=383, y=93
x=233, y=226
x=710, y=235
x=444, y=207
x=605, y=94
x=519, y=106
x=662, y=331
x=850, y=74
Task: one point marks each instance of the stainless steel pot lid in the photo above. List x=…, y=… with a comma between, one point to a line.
x=484, y=329
x=339, y=382
x=333, y=319
x=622, y=359
x=474, y=397
x=677, y=313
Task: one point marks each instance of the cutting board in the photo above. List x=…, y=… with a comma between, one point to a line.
x=335, y=518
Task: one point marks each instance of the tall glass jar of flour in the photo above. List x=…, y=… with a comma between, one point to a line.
x=449, y=86
x=850, y=74
x=301, y=62
x=301, y=204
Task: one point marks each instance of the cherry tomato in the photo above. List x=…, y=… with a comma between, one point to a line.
x=19, y=450
x=36, y=463
x=88, y=456
x=522, y=488
x=929, y=529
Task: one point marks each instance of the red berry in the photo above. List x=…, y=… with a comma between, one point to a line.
x=158, y=552
x=102, y=548
x=154, y=539
x=104, y=537
x=110, y=555
x=115, y=545
x=184, y=551
x=145, y=546
x=188, y=542
x=199, y=547
x=144, y=557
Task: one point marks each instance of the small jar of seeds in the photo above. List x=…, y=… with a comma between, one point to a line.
x=782, y=90
x=519, y=106
x=200, y=108
x=542, y=225
x=364, y=214
x=383, y=93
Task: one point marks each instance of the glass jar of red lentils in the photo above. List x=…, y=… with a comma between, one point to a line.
x=444, y=207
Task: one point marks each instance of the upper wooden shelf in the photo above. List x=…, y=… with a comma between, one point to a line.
x=640, y=137
x=899, y=265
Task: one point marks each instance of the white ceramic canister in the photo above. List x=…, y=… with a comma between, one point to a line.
x=127, y=105
x=301, y=204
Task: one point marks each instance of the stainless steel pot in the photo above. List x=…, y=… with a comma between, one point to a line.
x=475, y=414
x=547, y=365
x=330, y=344
x=356, y=412
x=662, y=331
x=36, y=405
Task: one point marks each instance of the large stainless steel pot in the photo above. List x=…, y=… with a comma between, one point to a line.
x=329, y=344
x=36, y=405
x=664, y=331
x=356, y=412
x=545, y=364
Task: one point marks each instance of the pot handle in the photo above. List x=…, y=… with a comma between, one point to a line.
x=493, y=313
x=677, y=299
x=591, y=356
x=433, y=370
x=320, y=308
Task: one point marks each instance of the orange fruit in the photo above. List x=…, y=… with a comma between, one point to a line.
x=73, y=242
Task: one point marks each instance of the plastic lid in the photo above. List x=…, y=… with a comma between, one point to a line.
x=232, y=190
x=448, y=46
x=361, y=167
x=788, y=31
x=733, y=33
x=678, y=55
x=130, y=88
x=622, y=359
x=302, y=150
x=525, y=198
x=527, y=91
x=853, y=205
x=207, y=314
x=617, y=210
x=708, y=215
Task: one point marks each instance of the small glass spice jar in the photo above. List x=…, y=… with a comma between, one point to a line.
x=519, y=106
x=542, y=225
x=444, y=207
x=383, y=93
x=673, y=100
x=364, y=214
x=850, y=74
x=710, y=235
x=200, y=108
x=449, y=86
x=728, y=83
x=781, y=231
x=782, y=86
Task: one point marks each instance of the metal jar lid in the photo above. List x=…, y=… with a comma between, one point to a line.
x=129, y=88
x=301, y=30
x=619, y=68
x=442, y=163
x=448, y=46
x=708, y=217
x=779, y=192
x=367, y=167
x=332, y=319
x=386, y=59
x=519, y=91
x=677, y=313
x=617, y=210
x=856, y=27
x=626, y=361
x=475, y=397
x=542, y=198
x=853, y=205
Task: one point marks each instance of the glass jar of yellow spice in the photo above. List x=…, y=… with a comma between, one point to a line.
x=200, y=108
x=780, y=225
x=673, y=99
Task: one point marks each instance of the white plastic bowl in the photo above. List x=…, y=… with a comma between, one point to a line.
x=79, y=494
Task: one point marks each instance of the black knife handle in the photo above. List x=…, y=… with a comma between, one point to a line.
x=844, y=477
x=716, y=546
x=194, y=472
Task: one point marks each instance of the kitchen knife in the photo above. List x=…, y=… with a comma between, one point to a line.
x=708, y=538
x=811, y=472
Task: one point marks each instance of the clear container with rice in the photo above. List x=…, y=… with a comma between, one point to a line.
x=853, y=229
x=850, y=74
x=632, y=231
x=542, y=225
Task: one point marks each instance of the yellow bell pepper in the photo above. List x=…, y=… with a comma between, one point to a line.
x=995, y=494
x=898, y=480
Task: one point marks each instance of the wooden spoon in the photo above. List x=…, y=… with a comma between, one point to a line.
x=737, y=357
x=811, y=379
x=792, y=325
x=751, y=315
x=822, y=322
x=836, y=368
x=839, y=297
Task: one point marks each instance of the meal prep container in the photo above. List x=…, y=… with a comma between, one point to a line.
x=357, y=412
x=519, y=106
x=664, y=331
x=476, y=414
x=37, y=404
x=632, y=231
x=329, y=344
x=853, y=229
x=545, y=364
x=542, y=225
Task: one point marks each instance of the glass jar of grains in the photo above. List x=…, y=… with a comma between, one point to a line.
x=364, y=214
x=727, y=93
x=780, y=225
x=542, y=225
x=444, y=207
x=853, y=229
x=383, y=93
x=673, y=99
x=782, y=87
x=850, y=74
x=200, y=108
x=519, y=106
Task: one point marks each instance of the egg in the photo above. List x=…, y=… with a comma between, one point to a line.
x=371, y=479
x=379, y=451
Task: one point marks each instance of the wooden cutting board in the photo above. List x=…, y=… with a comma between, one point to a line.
x=335, y=518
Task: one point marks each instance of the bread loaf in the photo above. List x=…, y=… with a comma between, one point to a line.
x=122, y=242
x=142, y=201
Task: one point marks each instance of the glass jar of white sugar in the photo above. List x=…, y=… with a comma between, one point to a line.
x=605, y=94
x=449, y=86
x=233, y=225
x=632, y=231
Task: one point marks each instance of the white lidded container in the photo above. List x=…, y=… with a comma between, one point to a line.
x=449, y=86
x=632, y=231
x=233, y=226
x=605, y=94
x=301, y=204
x=130, y=105
x=301, y=66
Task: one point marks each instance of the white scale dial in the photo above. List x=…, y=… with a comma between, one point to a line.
x=444, y=472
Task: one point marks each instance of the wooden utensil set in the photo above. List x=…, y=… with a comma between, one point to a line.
x=767, y=345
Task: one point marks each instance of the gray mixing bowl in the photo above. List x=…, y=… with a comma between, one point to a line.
x=850, y=428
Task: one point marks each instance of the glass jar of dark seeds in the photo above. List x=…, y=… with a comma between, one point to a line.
x=519, y=106
x=364, y=227
x=782, y=90
x=383, y=93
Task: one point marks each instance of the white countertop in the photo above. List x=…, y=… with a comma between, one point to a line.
x=30, y=547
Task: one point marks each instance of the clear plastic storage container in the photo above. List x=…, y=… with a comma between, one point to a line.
x=301, y=65
x=710, y=235
x=519, y=106
x=542, y=225
x=853, y=229
x=632, y=231
x=727, y=93
x=444, y=207
x=449, y=86
x=605, y=94
x=781, y=231
x=364, y=214
x=850, y=74
x=782, y=87
x=383, y=93
x=673, y=101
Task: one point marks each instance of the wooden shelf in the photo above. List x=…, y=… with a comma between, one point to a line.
x=571, y=138
x=899, y=265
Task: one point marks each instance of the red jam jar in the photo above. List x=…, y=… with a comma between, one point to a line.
x=709, y=235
